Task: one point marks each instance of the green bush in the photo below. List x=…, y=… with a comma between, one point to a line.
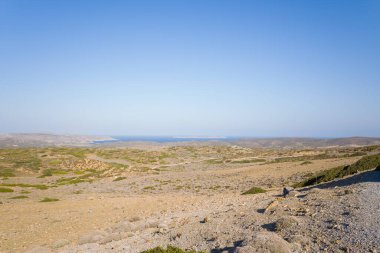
x=3, y=189
x=254, y=190
x=365, y=163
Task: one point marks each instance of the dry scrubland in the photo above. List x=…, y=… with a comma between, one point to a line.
x=190, y=196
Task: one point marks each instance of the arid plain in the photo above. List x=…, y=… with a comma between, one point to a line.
x=131, y=198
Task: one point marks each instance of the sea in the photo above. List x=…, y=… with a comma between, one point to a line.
x=162, y=139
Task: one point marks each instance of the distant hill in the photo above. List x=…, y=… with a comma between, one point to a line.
x=305, y=142
x=43, y=140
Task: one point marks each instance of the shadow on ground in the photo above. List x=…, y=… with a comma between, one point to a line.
x=368, y=176
x=270, y=226
x=228, y=249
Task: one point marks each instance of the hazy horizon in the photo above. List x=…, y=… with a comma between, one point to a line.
x=187, y=136
x=190, y=68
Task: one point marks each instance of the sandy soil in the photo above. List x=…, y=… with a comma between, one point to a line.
x=162, y=198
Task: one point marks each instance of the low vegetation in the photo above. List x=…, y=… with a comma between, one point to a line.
x=254, y=190
x=3, y=189
x=49, y=200
x=46, y=173
x=71, y=180
x=322, y=156
x=19, y=197
x=149, y=188
x=170, y=249
x=6, y=172
x=20, y=158
x=37, y=186
x=365, y=163
x=249, y=161
x=119, y=178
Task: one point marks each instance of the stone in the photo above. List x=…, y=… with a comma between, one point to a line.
x=287, y=190
x=285, y=223
x=204, y=220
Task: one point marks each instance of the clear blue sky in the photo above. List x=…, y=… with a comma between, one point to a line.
x=236, y=68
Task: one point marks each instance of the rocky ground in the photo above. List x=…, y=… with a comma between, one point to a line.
x=342, y=216
x=199, y=206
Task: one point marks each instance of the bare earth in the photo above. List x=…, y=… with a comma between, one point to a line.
x=194, y=206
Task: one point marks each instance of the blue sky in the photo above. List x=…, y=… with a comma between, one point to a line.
x=236, y=68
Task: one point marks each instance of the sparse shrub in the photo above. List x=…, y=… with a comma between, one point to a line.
x=7, y=172
x=249, y=161
x=75, y=180
x=19, y=197
x=214, y=161
x=51, y=172
x=49, y=200
x=37, y=186
x=47, y=173
x=55, y=162
x=306, y=163
x=365, y=163
x=170, y=249
x=254, y=190
x=357, y=154
x=3, y=189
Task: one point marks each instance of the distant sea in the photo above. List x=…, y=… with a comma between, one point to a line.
x=162, y=139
